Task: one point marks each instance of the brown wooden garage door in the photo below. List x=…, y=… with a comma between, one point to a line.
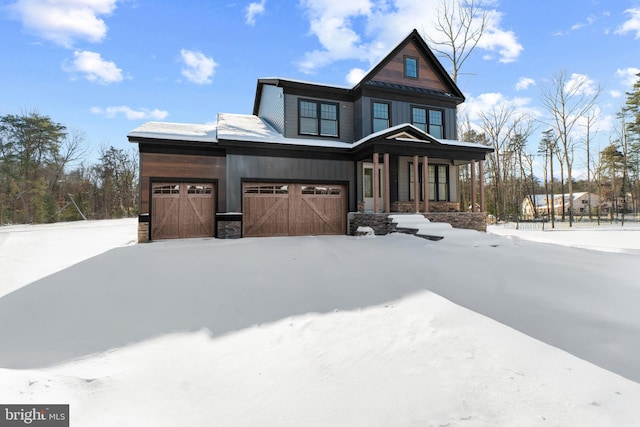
x=293, y=209
x=182, y=210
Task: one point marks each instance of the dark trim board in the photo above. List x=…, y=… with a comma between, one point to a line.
x=242, y=148
x=178, y=147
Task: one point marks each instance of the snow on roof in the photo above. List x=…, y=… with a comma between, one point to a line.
x=307, y=82
x=463, y=144
x=176, y=131
x=250, y=128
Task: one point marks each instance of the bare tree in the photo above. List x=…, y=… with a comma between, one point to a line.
x=568, y=100
x=498, y=127
x=460, y=24
x=590, y=119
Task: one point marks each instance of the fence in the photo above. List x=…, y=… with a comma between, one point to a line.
x=564, y=225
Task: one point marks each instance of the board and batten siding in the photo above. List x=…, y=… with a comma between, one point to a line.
x=284, y=169
x=401, y=113
x=345, y=123
x=272, y=107
x=177, y=167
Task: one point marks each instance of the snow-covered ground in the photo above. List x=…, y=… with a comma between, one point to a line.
x=475, y=329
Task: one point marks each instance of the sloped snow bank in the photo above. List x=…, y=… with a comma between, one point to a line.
x=416, y=361
x=31, y=252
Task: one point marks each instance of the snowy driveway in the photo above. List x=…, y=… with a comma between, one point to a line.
x=584, y=302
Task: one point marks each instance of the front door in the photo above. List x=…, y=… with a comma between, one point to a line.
x=367, y=187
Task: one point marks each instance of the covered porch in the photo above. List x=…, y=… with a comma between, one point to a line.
x=406, y=170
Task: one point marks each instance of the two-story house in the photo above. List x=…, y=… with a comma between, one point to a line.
x=313, y=157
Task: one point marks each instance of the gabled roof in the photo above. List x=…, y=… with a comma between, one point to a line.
x=369, y=80
x=415, y=38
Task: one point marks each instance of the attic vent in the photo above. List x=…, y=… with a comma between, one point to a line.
x=401, y=135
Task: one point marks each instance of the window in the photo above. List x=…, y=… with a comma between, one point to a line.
x=410, y=67
x=380, y=116
x=419, y=118
x=318, y=118
x=199, y=189
x=438, y=182
x=266, y=189
x=325, y=191
x=412, y=180
x=436, y=128
x=430, y=121
x=166, y=189
x=439, y=175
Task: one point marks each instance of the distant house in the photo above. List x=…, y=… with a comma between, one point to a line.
x=540, y=206
x=313, y=158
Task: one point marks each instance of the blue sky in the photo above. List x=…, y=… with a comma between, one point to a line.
x=103, y=67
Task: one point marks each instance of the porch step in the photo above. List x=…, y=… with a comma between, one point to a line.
x=419, y=226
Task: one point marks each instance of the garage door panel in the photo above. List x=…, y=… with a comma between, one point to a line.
x=324, y=215
x=182, y=210
x=266, y=216
x=298, y=210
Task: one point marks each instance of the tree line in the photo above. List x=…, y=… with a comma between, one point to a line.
x=45, y=177
x=613, y=173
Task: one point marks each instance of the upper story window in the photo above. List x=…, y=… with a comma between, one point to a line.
x=381, y=116
x=430, y=121
x=318, y=118
x=410, y=67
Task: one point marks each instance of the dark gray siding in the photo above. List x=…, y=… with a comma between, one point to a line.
x=401, y=113
x=272, y=107
x=345, y=124
x=241, y=167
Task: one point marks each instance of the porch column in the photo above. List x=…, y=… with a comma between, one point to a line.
x=473, y=185
x=425, y=182
x=376, y=183
x=416, y=185
x=387, y=183
x=483, y=208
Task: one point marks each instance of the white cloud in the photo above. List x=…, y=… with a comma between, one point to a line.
x=524, y=83
x=632, y=25
x=495, y=39
x=130, y=113
x=253, y=10
x=63, y=22
x=485, y=102
x=367, y=29
x=581, y=84
x=590, y=20
x=355, y=75
x=615, y=93
x=330, y=21
x=628, y=75
x=197, y=68
x=94, y=68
